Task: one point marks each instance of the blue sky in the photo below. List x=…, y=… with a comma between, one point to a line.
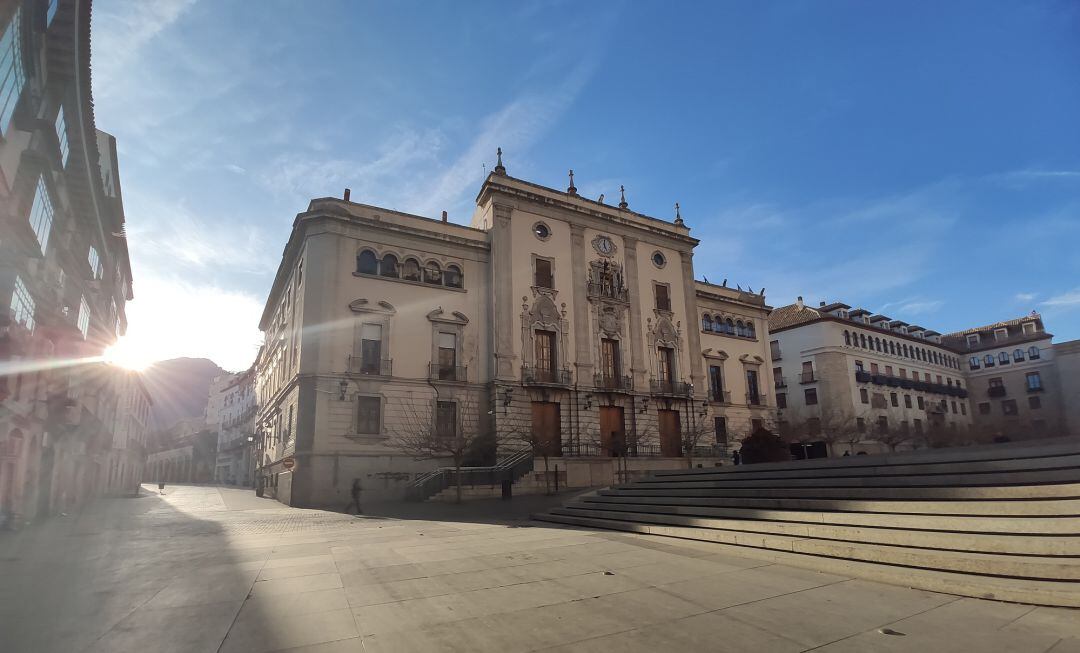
x=919, y=159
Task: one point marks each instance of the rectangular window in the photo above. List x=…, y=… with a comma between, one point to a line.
x=903, y=373
x=720, y=428
x=543, y=277
x=666, y=364
x=752, y=391
x=781, y=400
x=84, y=317
x=371, y=348
x=1001, y=334
x=984, y=408
x=907, y=401
x=1034, y=381
x=95, y=264
x=904, y=426
x=774, y=349
x=663, y=299
x=446, y=420
x=894, y=399
x=864, y=396
x=888, y=370
x=807, y=372
x=810, y=395
x=22, y=305
x=883, y=424
x=609, y=355
x=12, y=76
x=1008, y=407
x=858, y=366
x=973, y=340
x=877, y=400
x=918, y=426
x=860, y=424
x=448, y=356
x=954, y=407
x=368, y=415
x=778, y=377
x=61, y=135
x=41, y=214
x=963, y=409
x=716, y=382
x=996, y=382
x=545, y=351
x=873, y=368
x=1029, y=328
x=1034, y=402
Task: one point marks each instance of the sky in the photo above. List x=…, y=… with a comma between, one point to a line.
x=918, y=159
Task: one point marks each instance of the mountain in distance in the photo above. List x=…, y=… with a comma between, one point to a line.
x=179, y=388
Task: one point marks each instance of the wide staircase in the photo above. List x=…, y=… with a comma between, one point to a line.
x=1000, y=522
x=443, y=482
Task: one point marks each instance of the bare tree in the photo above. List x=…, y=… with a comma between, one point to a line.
x=424, y=434
x=543, y=445
x=833, y=427
x=692, y=437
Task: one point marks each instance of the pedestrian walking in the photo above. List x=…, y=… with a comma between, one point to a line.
x=736, y=458
x=161, y=487
x=355, y=492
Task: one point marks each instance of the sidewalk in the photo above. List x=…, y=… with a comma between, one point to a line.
x=217, y=569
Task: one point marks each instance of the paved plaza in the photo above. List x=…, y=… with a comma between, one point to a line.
x=218, y=569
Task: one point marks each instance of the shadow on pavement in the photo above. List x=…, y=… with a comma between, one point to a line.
x=514, y=512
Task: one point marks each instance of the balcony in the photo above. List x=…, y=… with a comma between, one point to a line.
x=720, y=396
x=892, y=381
x=781, y=382
x=1036, y=388
x=531, y=375
x=669, y=388
x=755, y=399
x=907, y=384
x=596, y=290
x=862, y=377
x=807, y=377
x=877, y=379
x=440, y=372
x=996, y=391
x=371, y=367
x=613, y=383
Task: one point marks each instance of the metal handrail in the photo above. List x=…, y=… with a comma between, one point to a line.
x=431, y=483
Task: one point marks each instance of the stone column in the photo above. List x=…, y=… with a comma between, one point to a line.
x=502, y=293
x=637, y=353
x=693, y=336
x=582, y=339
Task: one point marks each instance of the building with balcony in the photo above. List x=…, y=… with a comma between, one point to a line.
x=856, y=381
x=65, y=276
x=551, y=317
x=232, y=407
x=1015, y=385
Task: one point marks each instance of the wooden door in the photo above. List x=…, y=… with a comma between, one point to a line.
x=546, y=428
x=670, y=433
x=612, y=431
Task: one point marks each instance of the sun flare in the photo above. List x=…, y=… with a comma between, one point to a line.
x=127, y=354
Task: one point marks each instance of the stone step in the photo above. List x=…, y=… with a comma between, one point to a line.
x=997, y=543
x=1056, y=447
x=963, y=562
x=747, y=472
x=1017, y=590
x=1017, y=477
x=1017, y=507
x=993, y=522
x=1062, y=491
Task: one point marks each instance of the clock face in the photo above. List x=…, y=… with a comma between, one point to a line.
x=604, y=245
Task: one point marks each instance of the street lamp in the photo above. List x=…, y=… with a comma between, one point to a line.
x=343, y=388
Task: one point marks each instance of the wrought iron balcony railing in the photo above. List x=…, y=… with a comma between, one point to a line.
x=372, y=367
x=996, y=391
x=440, y=372
x=606, y=291
x=669, y=388
x=532, y=375
x=613, y=383
x=755, y=399
x=720, y=396
x=807, y=377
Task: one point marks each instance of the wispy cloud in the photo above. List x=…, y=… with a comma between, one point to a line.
x=1067, y=299
x=1025, y=296
x=131, y=25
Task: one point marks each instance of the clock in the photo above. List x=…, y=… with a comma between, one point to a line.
x=604, y=246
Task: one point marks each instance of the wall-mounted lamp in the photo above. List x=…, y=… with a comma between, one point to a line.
x=343, y=388
x=588, y=401
x=508, y=398
x=644, y=405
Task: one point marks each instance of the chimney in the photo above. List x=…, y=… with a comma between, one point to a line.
x=444, y=218
x=798, y=302
x=347, y=194
x=822, y=304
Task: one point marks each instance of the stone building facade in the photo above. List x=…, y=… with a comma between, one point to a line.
x=551, y=317
x=65, y=275
x=1067, y=361
x=235, y=427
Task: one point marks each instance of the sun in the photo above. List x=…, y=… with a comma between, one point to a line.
x=129, y=355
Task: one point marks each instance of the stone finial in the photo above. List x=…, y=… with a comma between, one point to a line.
x=572, y=189
x=622, y=197
x=678, y=216
x=500, y=169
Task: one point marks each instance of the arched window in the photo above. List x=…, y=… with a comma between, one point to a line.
x=750, y=331
x=877, y=344
x=740, y=328
x=706, y=322
x=433, y=273
x=862, y=340
x=1003, y=358
x=366, y=263
x=453, y=277
x=1018, y=355
x=988, y=360
x=411, y=270
x=729, y=327
x=389, y=266
x=1033, y=352
x=892, y=347
x=847, y=337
